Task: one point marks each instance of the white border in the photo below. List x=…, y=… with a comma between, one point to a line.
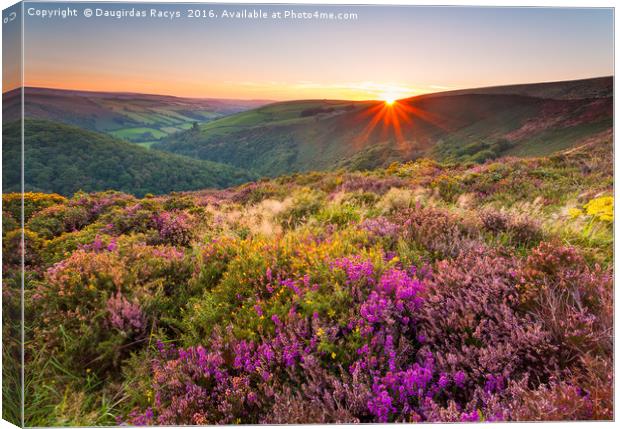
x=540, y=3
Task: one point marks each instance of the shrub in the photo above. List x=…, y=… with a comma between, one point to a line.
x=439, y=232
x=8, y=223
x=339, y=214
x=601, y=208
x=174, y=228
x=370, y=184
x=131, y=218
x=12, y=248
x=306, y=202
x=114, y=286
x=520, y=229
x=448, y=187
x=573, y=301
x=124, y=315
x=395, y=199
x=380, y=229
x=583, y=395
x=33, y=202
x=473, y=324
x=54, y=220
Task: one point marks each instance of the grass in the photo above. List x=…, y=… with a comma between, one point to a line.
x=133, y=133
x=557, y=140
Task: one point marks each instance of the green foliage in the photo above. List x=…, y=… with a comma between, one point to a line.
x=33, y=202
x=306, y=202
x=64, y=159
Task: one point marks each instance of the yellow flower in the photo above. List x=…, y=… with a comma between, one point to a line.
x=574, y=212
x=320, y=332
x=333, y=355
x=601, y=208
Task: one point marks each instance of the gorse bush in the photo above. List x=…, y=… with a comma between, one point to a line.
x=419, y=293
x=601, y=208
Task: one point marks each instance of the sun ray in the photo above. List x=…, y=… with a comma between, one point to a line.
x=400, y=121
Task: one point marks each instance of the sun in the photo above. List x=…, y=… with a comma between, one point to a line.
x=389, y=100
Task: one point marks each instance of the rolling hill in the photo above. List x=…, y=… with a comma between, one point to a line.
x=466, y=125
x=138, y=118
x=64, y=159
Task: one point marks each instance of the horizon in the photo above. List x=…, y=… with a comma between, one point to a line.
x=386, y=52
x=272, y=101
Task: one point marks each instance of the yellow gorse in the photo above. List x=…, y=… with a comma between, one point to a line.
x=601, y=208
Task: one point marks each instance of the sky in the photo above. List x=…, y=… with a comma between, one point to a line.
x=386, y=52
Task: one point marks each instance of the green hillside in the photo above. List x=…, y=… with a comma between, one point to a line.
x=474, y=125
x=137, y=118
x=64, y=159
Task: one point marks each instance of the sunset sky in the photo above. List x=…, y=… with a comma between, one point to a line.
x=391, y=52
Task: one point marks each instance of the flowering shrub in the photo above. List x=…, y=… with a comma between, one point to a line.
x=174, y=228
x=375, y=185
x=33, y=202
x=473, y=323
x=521, y=229
x=601, y=208
x=395, y=295
x=8, y=222
x=15, y=244
x=439, y=232
x=573, y=301
x=124, y=315
x=306, y=202
x=54, y=220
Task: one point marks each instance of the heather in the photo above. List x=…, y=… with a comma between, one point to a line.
x=423, y=292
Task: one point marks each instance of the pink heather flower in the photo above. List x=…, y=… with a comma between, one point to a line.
x=470, y=417
x=124, y=315
x=112, y=246
x=459, y=378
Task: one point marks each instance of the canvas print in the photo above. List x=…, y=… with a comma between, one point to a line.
x=218, y=214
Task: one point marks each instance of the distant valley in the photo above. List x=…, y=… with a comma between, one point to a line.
x=137, y=118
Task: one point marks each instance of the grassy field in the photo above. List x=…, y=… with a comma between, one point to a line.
x=140, y=134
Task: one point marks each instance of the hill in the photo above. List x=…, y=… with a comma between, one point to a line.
x=138, y=118
x=473, y=125
x=64, y=159
x=599, y=87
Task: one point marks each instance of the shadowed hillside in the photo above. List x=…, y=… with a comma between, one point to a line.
x=64, y=159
